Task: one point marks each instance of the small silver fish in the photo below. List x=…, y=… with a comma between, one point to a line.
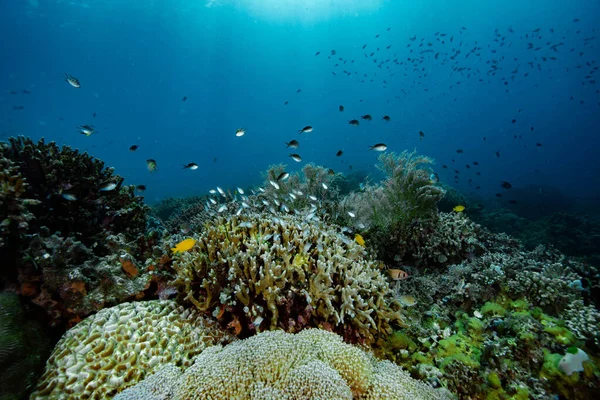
x=306, y=129
x=274, y=184
x=71, y=80
x=68, y=196
x=296, y=157
x=324, y=186
x=221, y=191
x=107, y=187
x=266, y=203
x=222, y=208
x=212, y=200
x=212, y=191
x=240, y=190
x=293, y=196
x=313, y=198
x=351, y=214
x=240, y=132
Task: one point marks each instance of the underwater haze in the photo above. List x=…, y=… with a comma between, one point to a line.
x=511, y=84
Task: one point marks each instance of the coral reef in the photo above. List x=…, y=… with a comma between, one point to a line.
x=406, y=194
x=497, y=325
x=313, y=364
x=256, y=272
x=71, y=246
x=24, y=347
x=119, y=346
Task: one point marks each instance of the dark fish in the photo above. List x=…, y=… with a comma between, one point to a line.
x=296, y=157
x=513, y=121
x=498, y=195
x=141, y=188
x=317, y=53
x=505, y=185
x=134, y=147
x=444, y=166
x=151, y=164
x=330, y=172
x=25, y=91
x=386, y=118
x=538, y=145
x=94, y=114
x=421, y=135
x=293, y=144
x=378, y=147
x=184, y=98
x=497, y=154
x=353, y=122
x=285, y=104
x=192, y=166
x=339, y=153
x=306, y=129
x=366, y=117
x=513, y=202
x=341, y=108
x=459, y=151
x=283, y=176
x=298, y=91
x=467, y=166
x=475, y=163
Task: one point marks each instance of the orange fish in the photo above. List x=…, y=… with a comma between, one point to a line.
x=398, y=274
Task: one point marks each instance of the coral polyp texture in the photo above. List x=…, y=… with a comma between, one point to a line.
x=312, y=364
x=119, y=346
x=258, y=272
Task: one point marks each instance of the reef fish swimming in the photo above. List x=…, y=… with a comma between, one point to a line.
x=184, y=245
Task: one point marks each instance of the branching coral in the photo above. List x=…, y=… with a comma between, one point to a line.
x=119, y=346
x=313, y=364
x=258, y=272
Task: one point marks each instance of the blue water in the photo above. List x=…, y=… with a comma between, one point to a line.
x=238, y=62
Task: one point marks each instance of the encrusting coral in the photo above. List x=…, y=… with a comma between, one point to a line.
x=119, y=346
x=256, y=272
x=312, y=364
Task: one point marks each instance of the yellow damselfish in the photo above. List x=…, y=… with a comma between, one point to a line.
x=184, y=245
x=459, y=208
x=359, y=239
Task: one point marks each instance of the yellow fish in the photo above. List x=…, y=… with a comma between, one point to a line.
x=184, y=245
x=459, y=208
x=359, y=239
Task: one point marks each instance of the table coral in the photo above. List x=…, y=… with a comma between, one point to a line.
x=119, y=346
x=258, y=272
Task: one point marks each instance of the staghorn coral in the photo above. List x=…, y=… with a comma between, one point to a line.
x=256, y=272
x=119, y=346
x=312, y=364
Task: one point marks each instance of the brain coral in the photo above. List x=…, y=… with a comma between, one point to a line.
x=118, y=346
x=258, y=272
x=313, y=364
